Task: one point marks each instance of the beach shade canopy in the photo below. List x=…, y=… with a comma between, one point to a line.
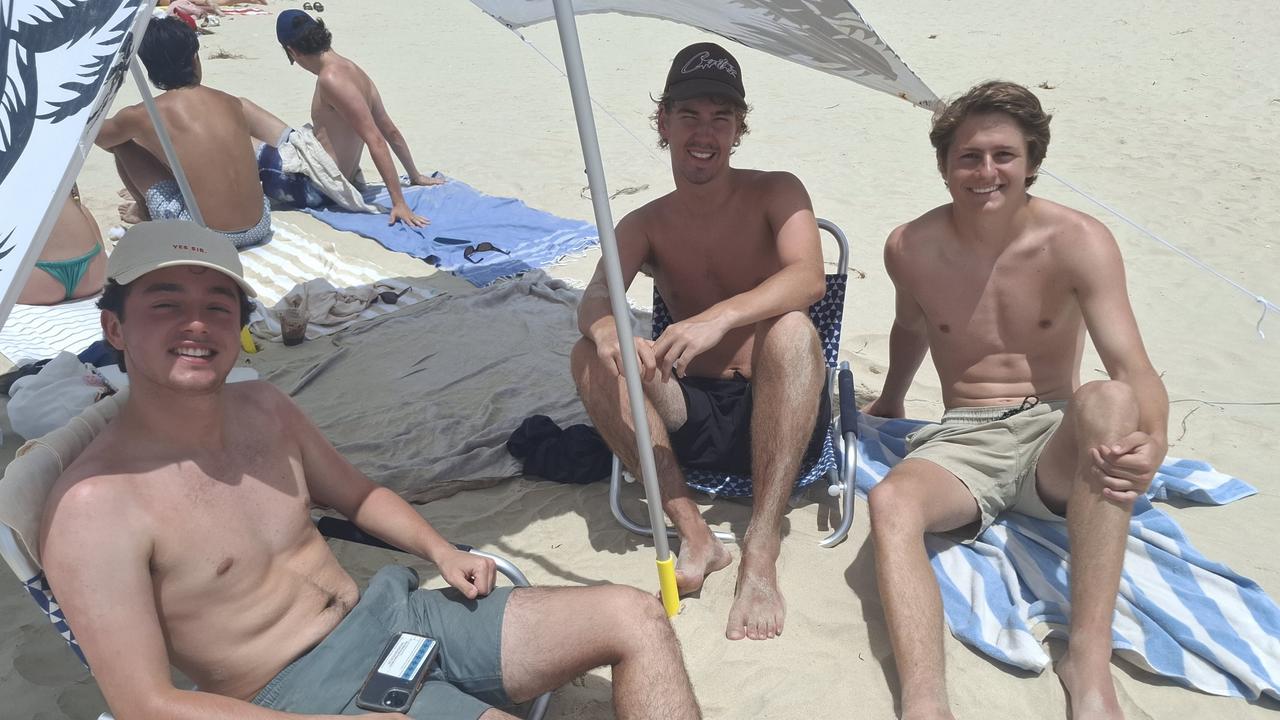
x=62, y=63
x=826, y=35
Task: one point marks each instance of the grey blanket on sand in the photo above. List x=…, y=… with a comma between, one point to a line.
x=424, y=399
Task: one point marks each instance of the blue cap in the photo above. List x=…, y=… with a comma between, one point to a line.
x=291, y=24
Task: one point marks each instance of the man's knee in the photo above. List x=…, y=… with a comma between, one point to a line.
x=1105, y=398
x=793, y=327
x=581, y=357
x=634, y=617
x=894, y=510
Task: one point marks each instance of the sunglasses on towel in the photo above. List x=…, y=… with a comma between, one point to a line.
x=483, y=247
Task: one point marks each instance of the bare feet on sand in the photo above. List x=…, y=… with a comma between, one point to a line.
x=758, y=609
x=1092, y=694
x=130, y=213
x=697, y=560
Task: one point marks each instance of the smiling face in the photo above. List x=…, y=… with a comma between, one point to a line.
x=701, y=133
x=987, y=166
x=181, y=329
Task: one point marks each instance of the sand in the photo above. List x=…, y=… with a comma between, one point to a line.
x=1166, y=111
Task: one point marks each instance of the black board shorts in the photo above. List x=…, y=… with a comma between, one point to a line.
x=717, y=434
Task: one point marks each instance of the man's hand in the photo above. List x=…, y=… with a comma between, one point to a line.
x=425, y=180
x=885, y=409
x=1125, y=467
x=400, y=212
x=609, y=350
x=681, y=342
x=471, y=574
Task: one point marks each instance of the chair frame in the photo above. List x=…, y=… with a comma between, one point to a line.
x=840, y=476
x=29, y=572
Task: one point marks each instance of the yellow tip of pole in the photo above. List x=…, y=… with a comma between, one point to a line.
x=667, y=583
x=246, y=341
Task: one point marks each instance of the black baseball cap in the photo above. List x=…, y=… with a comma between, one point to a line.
x=705, y=69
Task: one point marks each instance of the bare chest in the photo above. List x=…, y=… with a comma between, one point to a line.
x=1014, y=304
x=224, y=521
x=699, y=262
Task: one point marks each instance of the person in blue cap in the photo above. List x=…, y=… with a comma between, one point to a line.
x=347, y=111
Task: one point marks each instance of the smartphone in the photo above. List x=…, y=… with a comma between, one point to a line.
x=398, y=675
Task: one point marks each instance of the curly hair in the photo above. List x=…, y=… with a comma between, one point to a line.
x=995, y=96
x=168, y=52
x=667, y=104
x=314, y=40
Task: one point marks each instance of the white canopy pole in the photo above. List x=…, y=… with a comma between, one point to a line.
x=573, y=64
x=163, y=133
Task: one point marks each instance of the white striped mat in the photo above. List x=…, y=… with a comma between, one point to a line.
x=35, y=332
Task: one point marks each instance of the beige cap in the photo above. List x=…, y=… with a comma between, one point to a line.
x=160, y=244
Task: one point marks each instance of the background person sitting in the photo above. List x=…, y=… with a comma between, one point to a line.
x=72, y=264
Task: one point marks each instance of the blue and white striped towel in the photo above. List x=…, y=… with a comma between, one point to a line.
x=1178, y=615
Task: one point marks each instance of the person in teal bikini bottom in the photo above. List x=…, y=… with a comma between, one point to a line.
x=60, y=277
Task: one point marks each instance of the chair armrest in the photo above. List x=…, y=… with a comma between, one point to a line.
x=848, y=403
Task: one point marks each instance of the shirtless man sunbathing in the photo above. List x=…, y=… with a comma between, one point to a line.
x=736, y=256
x=1001, y=287
x=183, y=535
x=347, y=112
x=209, y=132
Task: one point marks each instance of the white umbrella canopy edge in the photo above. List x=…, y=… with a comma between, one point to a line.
x=827, y=35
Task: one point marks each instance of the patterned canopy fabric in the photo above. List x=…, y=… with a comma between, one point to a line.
x=62, y=62
x=826, y=35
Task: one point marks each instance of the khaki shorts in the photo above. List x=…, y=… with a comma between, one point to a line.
x=994, y=457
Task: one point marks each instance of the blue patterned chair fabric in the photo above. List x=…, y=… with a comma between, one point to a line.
x=43, y=595
x=826, y=315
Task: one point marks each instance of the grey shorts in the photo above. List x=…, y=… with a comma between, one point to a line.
x=465, y=681
x=994, y=457
x=164, y=202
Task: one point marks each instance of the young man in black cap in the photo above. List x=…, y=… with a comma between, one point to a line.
x=736, y=256
x=347, y=111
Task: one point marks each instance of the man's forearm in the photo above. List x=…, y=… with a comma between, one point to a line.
x=386, y=170
x=401, y=148
x=1153, y=404
x=595, y=314
x=793, y=288
x=196, y=705
x=906, y=351
x=388, y=517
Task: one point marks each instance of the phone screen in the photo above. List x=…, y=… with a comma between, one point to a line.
x=399, y=673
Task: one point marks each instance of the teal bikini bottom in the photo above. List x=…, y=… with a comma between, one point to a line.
x=69, y=272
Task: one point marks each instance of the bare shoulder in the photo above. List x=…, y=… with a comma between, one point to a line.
x=777, y=184
x=913, y=235
x=94, y=496
x=642, y=221
x=259, y=403
x=1076, y=237
x=343, y=77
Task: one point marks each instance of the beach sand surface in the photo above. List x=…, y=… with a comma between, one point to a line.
x=1166, y=111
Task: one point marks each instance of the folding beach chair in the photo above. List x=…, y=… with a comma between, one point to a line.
x=25, y=487
x=838, y=458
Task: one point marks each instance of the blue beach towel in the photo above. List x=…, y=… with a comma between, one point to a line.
x=463, y=217
x=1178, y=615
